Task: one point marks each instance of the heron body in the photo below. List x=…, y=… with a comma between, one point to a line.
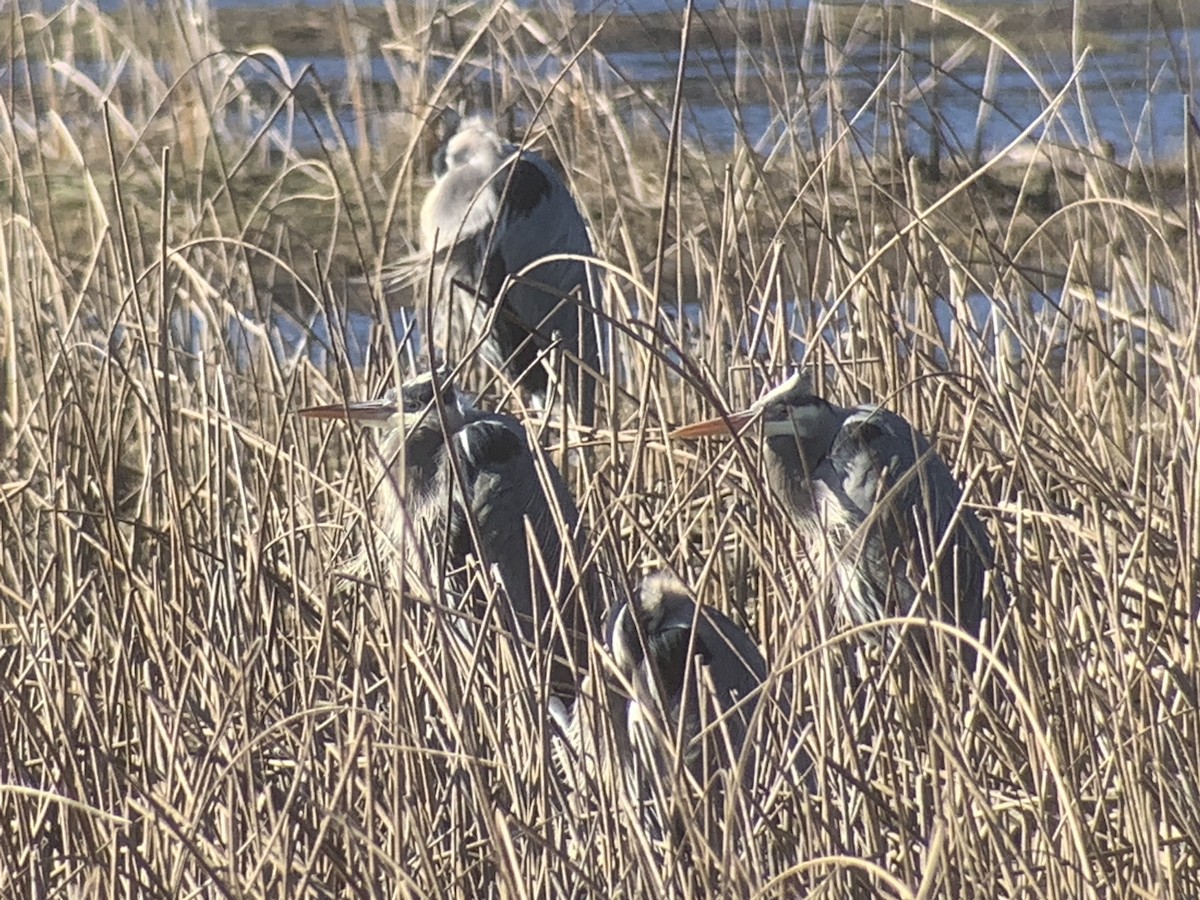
x=687, y=667
x=494, y=214
x=688, y=684
x=868, y=486
x=461, y=483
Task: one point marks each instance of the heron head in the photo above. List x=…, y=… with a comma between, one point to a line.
x=411, y=411
x=664, y=610
x=789, y=409
x=473, y=141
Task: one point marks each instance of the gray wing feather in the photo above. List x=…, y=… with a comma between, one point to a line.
x=504, y=491
x=884, y=473
x=729, y=650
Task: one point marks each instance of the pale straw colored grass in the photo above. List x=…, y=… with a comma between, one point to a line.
x=196, y=701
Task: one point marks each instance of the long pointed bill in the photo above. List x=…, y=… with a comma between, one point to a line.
x=718, y=427
x=377, y=411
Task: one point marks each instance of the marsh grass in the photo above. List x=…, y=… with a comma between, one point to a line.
x=196, y=698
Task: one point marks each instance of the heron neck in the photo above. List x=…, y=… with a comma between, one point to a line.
x=419, y=452
x=793, y=456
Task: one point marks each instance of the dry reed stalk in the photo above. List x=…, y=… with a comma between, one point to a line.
x=195, y=699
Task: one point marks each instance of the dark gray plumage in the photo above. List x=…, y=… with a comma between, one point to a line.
x=494, y=211
x=865, y=482
x=426, y=509
x=685, y=662
x=687, y=689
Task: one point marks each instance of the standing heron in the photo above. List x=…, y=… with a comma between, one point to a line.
x=867, y=482
x=691, y=675
x=460, y=483
x=494, y=211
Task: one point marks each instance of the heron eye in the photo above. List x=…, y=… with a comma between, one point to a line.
x=417, y=399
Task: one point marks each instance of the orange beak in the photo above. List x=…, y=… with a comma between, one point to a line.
x=722, y=426
x=360, y=411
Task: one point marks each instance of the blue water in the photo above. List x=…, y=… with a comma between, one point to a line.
x=1002, y=329
x=1134, y=96
x=1132, y=91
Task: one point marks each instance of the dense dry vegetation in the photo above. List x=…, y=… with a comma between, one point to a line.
x=195, y=697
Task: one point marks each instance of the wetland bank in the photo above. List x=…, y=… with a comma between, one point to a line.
x=329, y=113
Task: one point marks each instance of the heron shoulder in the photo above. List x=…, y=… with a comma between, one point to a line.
x=879, y=435
x=877, y=445
x=661, y=606
x=490, y=440
x=524, y=185
x=871, y=445
x=662, y=596
x=669, y=616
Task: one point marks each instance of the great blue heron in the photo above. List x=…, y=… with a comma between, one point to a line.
x=692, y=676
x=690, y=668
x=868, y=483
x=461, y=482
x=494, y=211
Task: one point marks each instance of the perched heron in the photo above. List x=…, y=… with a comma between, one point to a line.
x=867, y=482
x=462, y=482
x=691, y=674
x=494, y=211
